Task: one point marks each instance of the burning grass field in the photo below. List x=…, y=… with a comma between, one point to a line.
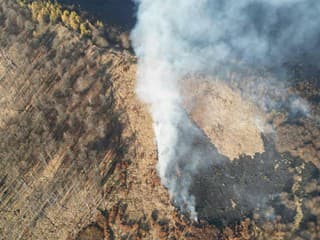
x=99, y=143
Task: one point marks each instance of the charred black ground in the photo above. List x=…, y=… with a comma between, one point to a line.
x=228, y=191
x=231, y=191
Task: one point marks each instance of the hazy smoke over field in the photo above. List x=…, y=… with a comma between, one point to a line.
x=173, y=39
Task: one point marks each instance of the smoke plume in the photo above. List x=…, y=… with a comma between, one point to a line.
x=173, y=39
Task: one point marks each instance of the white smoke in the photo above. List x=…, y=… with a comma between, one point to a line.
x=176, y=38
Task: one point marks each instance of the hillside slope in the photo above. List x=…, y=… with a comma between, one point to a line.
x=78, y=157
x=77, y=150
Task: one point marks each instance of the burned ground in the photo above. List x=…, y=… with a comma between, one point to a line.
x=78, y=157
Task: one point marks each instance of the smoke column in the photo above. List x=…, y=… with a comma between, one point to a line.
x=173, y=39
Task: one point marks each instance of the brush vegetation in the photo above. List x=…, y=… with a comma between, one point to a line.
x=58, y=112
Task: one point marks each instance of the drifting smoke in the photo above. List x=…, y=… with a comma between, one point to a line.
x=173, y=39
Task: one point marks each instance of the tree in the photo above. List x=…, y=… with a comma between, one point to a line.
x=55, y=12
x=74, y=20
x=65, y=17
x=84, y=30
